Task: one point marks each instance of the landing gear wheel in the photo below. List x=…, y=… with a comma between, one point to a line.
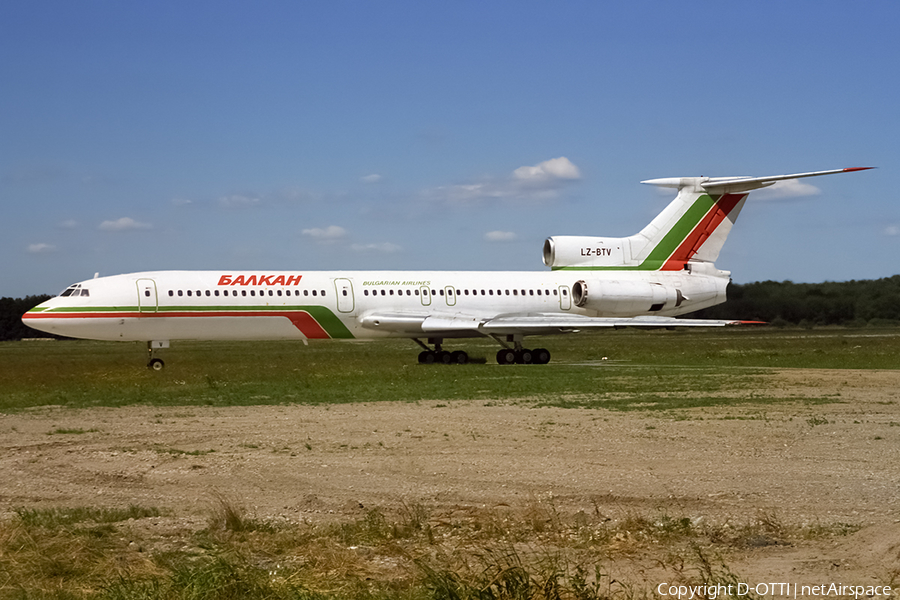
x=426, y=357
x=540, y=356
x=443, y=357
x=524, y=357
x=156, y=364
x=459, y=357
x=506, y=356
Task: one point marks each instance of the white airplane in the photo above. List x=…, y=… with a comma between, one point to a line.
x=643, y=280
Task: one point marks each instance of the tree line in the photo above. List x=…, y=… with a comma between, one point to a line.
x=848, y=303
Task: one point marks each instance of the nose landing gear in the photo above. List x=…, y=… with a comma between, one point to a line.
x=156, y=363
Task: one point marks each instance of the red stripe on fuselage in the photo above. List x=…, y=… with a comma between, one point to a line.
x=707, y=225
x=302, y=320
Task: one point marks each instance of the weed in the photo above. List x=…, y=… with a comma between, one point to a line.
x=55, y=518
x=70, y=431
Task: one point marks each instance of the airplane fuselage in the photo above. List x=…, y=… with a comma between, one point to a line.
x=271, y=305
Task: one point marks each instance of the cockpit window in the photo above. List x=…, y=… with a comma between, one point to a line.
x=75, y=290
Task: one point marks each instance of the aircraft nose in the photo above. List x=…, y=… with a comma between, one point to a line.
x=34, y=317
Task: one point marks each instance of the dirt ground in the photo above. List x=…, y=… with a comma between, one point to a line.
x=801, y=463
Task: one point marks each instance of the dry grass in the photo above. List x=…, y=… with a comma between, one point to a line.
x=410, y=552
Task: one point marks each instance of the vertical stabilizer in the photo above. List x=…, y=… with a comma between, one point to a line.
x=693, y=227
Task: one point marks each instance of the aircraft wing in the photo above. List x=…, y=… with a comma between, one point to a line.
x=524, y=323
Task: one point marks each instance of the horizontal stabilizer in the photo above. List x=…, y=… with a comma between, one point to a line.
x=732, y=185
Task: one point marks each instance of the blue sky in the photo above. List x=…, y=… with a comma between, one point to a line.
x=417, y=135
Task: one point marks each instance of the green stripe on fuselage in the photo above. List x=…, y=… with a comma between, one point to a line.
x=329, y=321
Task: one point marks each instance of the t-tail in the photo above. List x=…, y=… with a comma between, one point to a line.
x=689, y=233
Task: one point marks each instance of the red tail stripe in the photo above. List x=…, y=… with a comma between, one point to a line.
x=703, y=230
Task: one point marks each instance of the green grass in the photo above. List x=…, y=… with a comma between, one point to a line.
x=618, y=369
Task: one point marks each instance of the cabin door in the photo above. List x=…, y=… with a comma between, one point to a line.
x=148, y=301
x=344, y=290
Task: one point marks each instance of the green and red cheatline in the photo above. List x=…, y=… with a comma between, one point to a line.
x=314, y=322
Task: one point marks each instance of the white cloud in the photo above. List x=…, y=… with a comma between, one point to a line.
x=549, y=170
x=790, y=188
x=328, y=234
x=539, y=182
x=41, y=248
x=892, y=230
x=385, y=247
x=123, y=224
x=181, y=201
x=500, y=236
x=373, y=178
x=69, y=224
x=238, y=201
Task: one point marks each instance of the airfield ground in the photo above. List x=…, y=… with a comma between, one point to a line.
x=830, y=467
x=790, y=476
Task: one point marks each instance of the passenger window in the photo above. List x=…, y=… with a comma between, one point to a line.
x=207, y=292
x=392, y=292
x=417, y=292
x=554, y=291
x=344, y=292
x=180, y=293
x=442, y=292
x=189, y=292
x=314, y=292
x=252, y=292
x=515, y=292
x=408, y=292
x=507, y=292
x=216, y=292
x=565, y=292
x=243, y=292
x=279, y=292
x=147, y=293
x=171, y=293
x=323, y=293
x=491, y=292
x=306, y=292
x=531, y=292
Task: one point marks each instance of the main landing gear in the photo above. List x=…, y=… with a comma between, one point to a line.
x=517, y=355
x=523, y=356
x=440, y=356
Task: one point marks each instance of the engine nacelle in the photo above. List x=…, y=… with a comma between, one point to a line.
x=579, y=251
x=624, y=298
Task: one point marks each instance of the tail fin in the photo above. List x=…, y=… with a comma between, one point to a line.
x=691, y=230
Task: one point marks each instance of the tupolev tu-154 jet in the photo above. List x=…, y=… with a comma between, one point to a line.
x=644, y=280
